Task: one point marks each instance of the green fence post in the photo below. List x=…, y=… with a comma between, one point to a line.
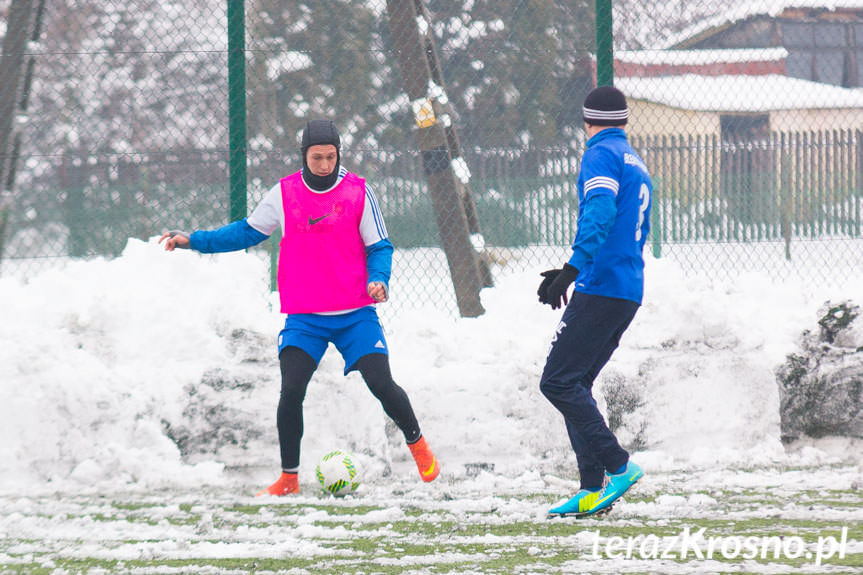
x=786, y=193
x=656, y=224
x=604, y=44
x=237, y=107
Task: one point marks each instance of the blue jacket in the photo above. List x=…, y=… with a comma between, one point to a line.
x=614, y=200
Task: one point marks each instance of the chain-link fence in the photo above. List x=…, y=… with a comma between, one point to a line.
x=463, y=115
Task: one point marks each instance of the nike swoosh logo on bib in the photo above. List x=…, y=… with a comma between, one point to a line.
x=313, y=221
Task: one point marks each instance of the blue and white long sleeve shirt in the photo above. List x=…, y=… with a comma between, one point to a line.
x=269, y=215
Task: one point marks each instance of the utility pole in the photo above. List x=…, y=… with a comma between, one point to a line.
x=417, y=62
x=444, y=110
x=15, y=81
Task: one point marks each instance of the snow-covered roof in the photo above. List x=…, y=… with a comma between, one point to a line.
x=739, y=93
x=699, y=57
x=743, y=10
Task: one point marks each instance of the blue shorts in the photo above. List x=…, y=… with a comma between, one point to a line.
x=354, y=334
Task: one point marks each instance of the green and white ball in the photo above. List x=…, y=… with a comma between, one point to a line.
x=337, y=473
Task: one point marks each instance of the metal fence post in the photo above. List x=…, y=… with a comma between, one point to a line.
x=786, y=194
x=604, y=44
x=237, y=107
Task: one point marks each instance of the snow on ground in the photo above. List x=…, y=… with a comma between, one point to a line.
x=102, y=361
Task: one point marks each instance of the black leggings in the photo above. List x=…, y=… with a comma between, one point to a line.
x=297, y=369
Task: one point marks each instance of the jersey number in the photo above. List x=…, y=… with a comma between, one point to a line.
x=644, y=198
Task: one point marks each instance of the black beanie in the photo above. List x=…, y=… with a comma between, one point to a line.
x=319, y=132
x=605, y=106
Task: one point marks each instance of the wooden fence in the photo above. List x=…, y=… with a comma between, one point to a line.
x=786, y=185
x=783, y=186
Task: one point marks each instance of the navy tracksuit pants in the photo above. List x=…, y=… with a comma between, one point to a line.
x=587, y=335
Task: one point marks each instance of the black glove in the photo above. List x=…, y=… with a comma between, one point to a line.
x=555, y=290
x=548, y=276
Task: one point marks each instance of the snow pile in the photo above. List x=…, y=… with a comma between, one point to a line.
x=108, y=368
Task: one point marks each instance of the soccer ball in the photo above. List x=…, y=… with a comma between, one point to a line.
x=337, y=473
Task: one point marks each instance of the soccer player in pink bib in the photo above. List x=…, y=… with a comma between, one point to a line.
x=335, y=261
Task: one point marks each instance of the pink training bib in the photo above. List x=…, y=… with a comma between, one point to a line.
x=322, y=258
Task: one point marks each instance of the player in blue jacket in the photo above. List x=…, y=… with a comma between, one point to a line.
x=614, y=195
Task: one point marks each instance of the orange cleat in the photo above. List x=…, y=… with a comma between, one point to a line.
x=426, y=461
x=286, y=484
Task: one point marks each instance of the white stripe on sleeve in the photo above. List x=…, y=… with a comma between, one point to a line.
x=372, y=227
x=601, y=182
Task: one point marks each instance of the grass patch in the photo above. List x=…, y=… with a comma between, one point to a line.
x=451, y=532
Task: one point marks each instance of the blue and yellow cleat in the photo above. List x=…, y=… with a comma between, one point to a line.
x=616, y=485
x=578, y=506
